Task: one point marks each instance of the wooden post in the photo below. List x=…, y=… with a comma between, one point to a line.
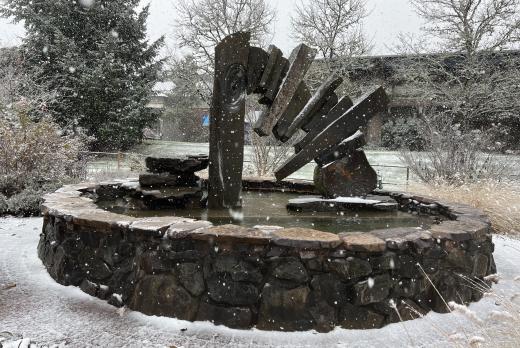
x=226, y=150
x=118, y=160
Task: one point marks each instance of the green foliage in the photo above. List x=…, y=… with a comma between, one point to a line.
x=97, y=59
x=402, y=132
x=189, y=93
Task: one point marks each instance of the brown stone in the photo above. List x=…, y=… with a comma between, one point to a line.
x=179, y=166
x=100, y=220
x=226, y=150
x=364, y=242
x=359, y=318
x=275, y=54
x=155, y=225
x=344, y=104
x=299, y=62
x=305, y=238
x=161, y=295
x=183, y=229
x=233, y=317
x=352, y=176
x=276, y=79
x=346, y=125
x=232, y=233
x=344, y=149
x=313, y=106
x=257, y=63
x=299, y=100
x=350, y=268
x=374, y=289
x=284, y=309
x=165, y=179
x=327, y=106
x=401, y=238
x=460, y=230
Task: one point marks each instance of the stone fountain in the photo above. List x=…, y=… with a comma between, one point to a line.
x=270, y=254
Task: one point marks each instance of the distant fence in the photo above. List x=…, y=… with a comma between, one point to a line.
x=130, y=162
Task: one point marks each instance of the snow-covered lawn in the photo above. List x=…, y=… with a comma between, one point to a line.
x=34, y=307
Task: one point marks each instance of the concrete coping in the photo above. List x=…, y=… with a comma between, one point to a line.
x=459, y=222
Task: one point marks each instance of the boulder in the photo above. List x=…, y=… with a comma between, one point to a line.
x=284, y=309
x=347, y=177
x=233, y=317
x=161, y=295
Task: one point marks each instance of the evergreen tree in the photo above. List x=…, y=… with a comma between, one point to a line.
x=95, y=55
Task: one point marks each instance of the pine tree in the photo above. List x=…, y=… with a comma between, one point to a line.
x=95, y=55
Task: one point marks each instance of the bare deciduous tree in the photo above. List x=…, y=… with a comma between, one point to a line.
x=470, y=26
x=334, y=27
x=19, y=92
x=468, y=81
x=453, y=156
x=202, y=24
x=468, y=74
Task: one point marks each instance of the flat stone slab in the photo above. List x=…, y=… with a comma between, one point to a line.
x=460, y=230
x=401, y=238
x=361, y=241
x=166, y=179
x=100, y=220
x=298, y=102
x=304, y=238
x=156, y=225
x=181, y=230
x=232, y=233
x=257, y=63
x=172, y=193
x=320, y=204
x=184, y=165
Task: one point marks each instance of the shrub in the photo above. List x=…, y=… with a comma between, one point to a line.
x=453, y=155
x=402, y=132
x=36, y=158
x=26, y=203
x=3, y=204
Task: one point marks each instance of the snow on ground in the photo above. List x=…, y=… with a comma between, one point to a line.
x=49, y=314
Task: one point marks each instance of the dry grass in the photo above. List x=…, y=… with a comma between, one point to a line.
x=500, y=200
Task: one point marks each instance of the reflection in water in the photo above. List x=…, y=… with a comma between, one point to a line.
x=270, y=209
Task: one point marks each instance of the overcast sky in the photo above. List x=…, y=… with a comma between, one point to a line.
x=387, y=19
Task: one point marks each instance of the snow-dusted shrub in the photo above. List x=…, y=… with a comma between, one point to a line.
x=402, y=132
x=26, y=203
x=3, y=204
x=453, y=155
x=36, y=158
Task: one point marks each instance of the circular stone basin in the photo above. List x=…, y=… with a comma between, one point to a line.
x=272, y=278
x=269, y=208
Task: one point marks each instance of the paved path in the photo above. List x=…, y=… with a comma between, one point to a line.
x=38, y=309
